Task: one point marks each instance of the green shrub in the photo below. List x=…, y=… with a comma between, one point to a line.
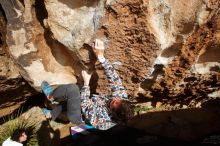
x=139, y=109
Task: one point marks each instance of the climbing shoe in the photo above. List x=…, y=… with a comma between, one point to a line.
x=47, y=88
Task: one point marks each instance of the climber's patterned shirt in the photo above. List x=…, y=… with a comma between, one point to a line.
x=95, y=109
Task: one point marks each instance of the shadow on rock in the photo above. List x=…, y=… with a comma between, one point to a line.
x=180, y=127
x=47, y=136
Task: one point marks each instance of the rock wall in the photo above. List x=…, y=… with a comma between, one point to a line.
x=14, y=90
x=163, y=49
x=74, y=22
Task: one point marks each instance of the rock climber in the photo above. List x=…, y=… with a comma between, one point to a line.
x=102, y=112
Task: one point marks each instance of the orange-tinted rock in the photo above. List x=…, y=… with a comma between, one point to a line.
x=165, y=49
